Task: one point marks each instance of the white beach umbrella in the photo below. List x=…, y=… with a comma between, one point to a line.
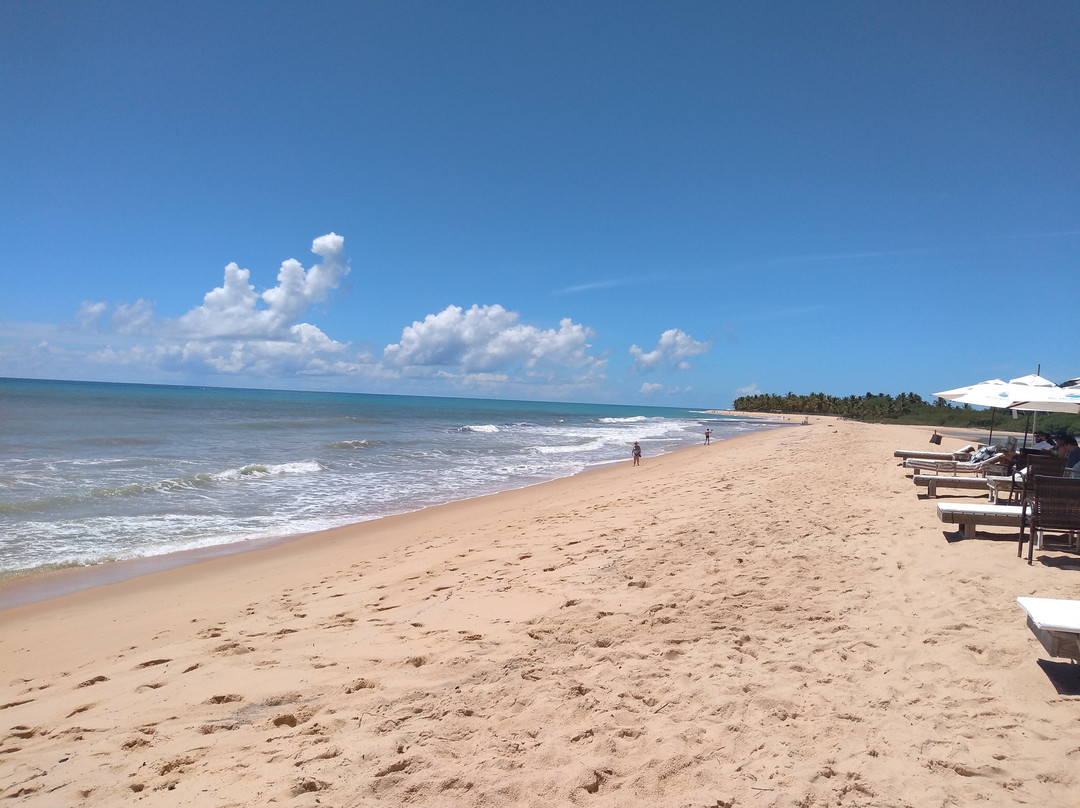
x=1024, y=389
x=1050, y=399
x=1032, y=380
x=990, y=393
x=1031, y=393
x=1035, y=394
x=1027, y=393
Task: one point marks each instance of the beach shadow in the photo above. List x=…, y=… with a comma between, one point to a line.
x=954, y=536
x=950, y=495
x=1064, y=676
x=1060, y=562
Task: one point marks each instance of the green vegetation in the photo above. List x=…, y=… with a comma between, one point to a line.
x=905, y=408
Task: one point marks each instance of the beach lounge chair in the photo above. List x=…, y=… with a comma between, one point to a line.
x=959, y=454
x=1034, y=466
x=933, y=482
x=995, y=464
x=1053, y=504
x=969, y=516
x=1056, y=623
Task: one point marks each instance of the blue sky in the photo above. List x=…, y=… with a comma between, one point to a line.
x=667, y=202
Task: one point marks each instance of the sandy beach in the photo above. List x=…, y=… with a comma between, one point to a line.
x=776, y=620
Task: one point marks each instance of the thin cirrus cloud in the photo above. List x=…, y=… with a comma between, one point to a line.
x=613, y=283
x=592, y=287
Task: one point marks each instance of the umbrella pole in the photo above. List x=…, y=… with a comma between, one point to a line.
x=1035, y=415
x=993, y=415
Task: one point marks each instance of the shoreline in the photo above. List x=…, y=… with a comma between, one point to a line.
x=35, y=586
x=774, y=620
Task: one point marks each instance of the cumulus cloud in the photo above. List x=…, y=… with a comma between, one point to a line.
x=237, y=329
x=749, y=390
x=241, y=331
x=672, y=350
x=648, y=388
x=233, y=309
x=490, y=339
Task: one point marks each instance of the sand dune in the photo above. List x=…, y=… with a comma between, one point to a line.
x=773, y=621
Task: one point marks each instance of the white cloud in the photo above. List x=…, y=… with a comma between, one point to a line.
x=648, y=388
x=134, y=318
x=237, y=330
x=592, y=287
x=672, y=351
x=90, y=314
x=749, y=390
x=232, y=309
x=490, y=339
x=251, y=335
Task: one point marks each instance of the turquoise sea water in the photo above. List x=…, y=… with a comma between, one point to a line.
x=93, y=472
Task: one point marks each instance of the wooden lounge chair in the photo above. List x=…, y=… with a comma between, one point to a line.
x=959, y=454
x=1056, y=623
x=1053, y=505
x=969, y=516
x=932, y=482
x=995, y=464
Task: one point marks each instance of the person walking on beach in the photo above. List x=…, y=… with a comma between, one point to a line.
x=637, y=454
x=708, y=436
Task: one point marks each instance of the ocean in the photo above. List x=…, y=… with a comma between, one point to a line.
x=99, y=472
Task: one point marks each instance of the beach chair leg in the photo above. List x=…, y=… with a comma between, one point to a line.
x=967, y=530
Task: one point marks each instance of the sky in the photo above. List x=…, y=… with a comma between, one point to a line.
x=671, y=203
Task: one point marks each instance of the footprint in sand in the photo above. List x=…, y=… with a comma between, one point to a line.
x=360, y=684
x=152, y=663
x=225, y=699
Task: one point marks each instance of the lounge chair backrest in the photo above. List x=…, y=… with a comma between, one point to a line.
x=1037, y=466
x=1053, y=503
x=1045, y=466
x=1056, y=504
x=1020, y=460
x=994, y=460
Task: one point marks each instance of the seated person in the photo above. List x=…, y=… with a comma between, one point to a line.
x=1066, y=447
x=1042, y=442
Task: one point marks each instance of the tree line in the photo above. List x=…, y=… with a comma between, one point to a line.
x=904, y=408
